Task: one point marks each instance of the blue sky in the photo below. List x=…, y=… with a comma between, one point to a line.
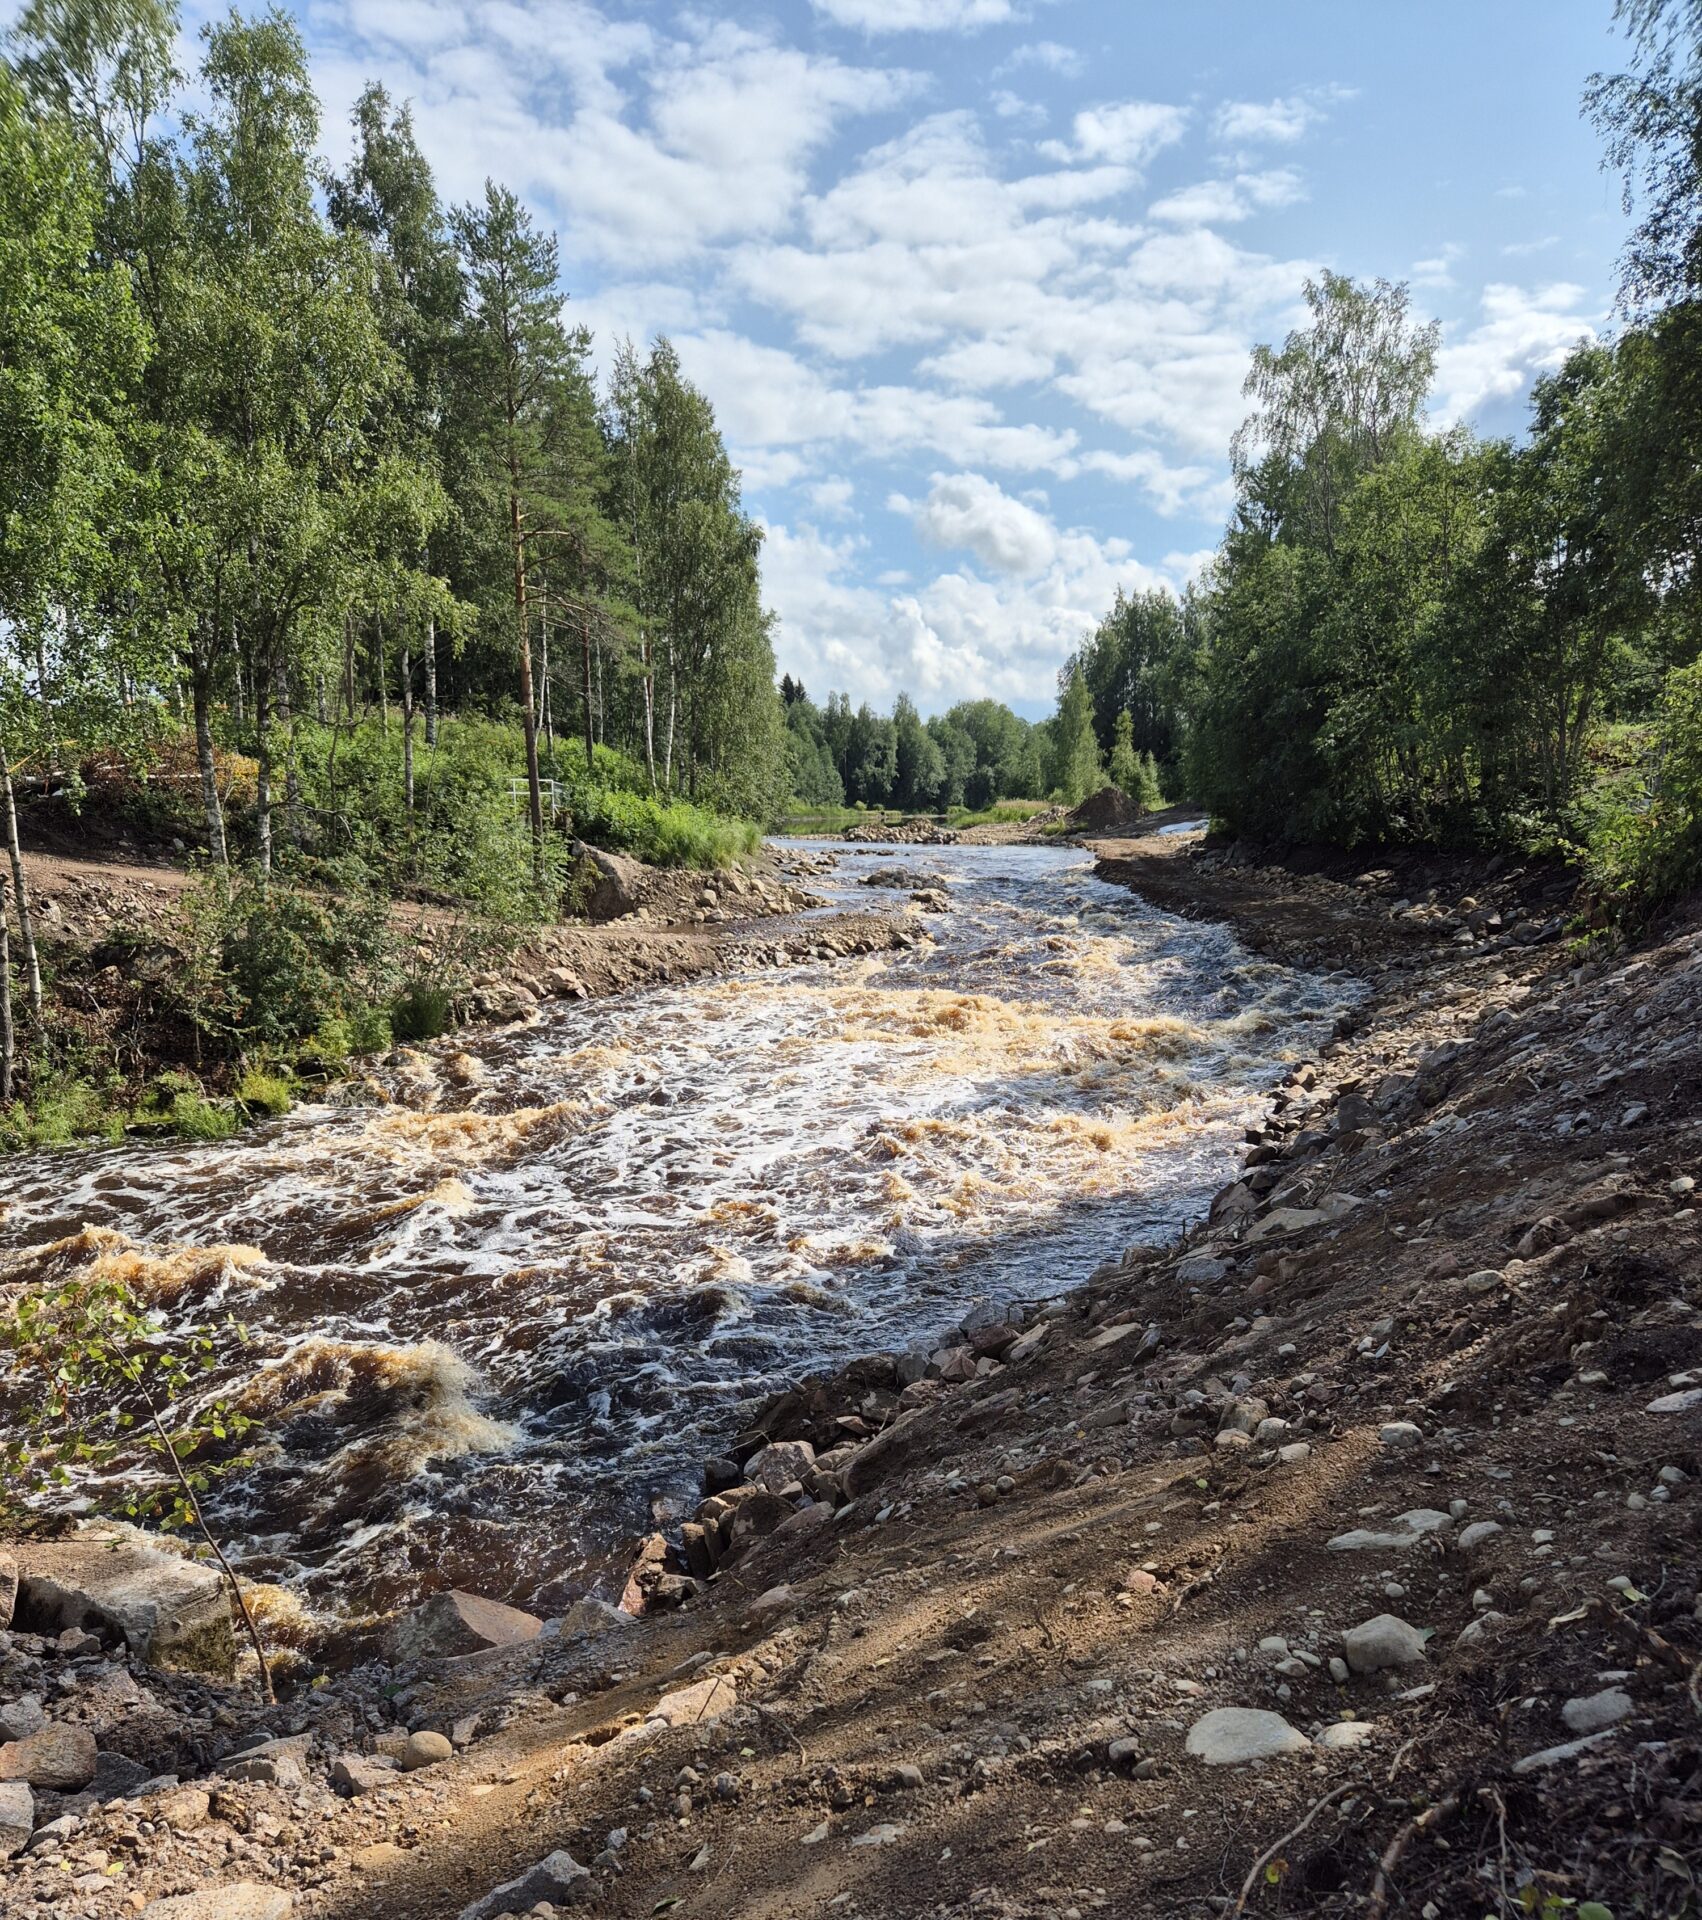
x=972, y=283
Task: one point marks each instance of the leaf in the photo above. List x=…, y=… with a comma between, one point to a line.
x=1594, y=1910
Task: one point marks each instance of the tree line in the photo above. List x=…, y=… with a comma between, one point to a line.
x=284, y=446
x=1420, y=635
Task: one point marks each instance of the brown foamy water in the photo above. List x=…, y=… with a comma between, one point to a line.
x=497, y=1319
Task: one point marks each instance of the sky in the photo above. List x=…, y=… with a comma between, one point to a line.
x=972, y=284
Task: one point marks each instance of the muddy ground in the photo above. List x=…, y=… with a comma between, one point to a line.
x=1436, y=1355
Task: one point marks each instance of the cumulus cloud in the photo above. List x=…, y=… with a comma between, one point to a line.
x=970, y=512
x=1214, y=202
x=1127, y=134
x=1522, y=332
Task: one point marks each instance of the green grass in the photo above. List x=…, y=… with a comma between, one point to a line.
x=263, y=1095
x=1002, y=813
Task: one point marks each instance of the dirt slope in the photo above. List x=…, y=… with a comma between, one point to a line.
x=1462, y=1269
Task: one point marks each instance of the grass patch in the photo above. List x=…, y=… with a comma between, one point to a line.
x=1002, y=813
x=663, y=833
x=263, y=1095
x=420, y=1013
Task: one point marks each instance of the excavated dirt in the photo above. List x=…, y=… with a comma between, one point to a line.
x=1462, y=1272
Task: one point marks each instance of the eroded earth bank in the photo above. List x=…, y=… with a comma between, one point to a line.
x=1174, y=1390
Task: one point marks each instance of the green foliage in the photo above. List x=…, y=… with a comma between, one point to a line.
x=261, y=1093
x=1078, y=767
x=420, y=1012
x=198, y=1118
x=99, y=1381
x=1646, y=851
x=662, y=833
x=62, y=1109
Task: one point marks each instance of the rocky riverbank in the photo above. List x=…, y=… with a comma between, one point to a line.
x=1339, y=1559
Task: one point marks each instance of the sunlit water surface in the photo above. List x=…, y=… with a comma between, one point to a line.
x=495, y=1323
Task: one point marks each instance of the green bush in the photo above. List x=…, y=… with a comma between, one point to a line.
x=369, y=1030
x=665, y=833
x=259, y=1092
x=1646, y=851
x=420, y=1013
x=198, y=1118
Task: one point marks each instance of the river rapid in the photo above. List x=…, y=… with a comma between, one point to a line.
x=501, y=1301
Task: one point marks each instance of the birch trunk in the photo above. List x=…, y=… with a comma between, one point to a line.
x=431, y=680
x=202, y=693
x=20, y=887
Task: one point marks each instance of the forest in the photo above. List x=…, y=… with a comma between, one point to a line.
x=1417, y=636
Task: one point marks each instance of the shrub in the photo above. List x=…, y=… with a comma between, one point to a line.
x=1647, y=851
x=421, y=1012
x=198, y=1118
x=369, y=1030
x=259, y=1092
x=665, y=833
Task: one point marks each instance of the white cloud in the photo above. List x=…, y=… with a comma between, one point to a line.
x=975, y=514
x=1230, y=200
x=1052, y=55
x=1520, y=334
x=1279, y=120
x=833, y=498
x=1127, y=134
x=1438, y=270
x=918, y=16
x=1520, y=249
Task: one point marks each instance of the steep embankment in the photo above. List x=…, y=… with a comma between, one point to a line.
x=1400, y=1449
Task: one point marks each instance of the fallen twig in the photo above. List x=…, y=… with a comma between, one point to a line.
x=1391, y=1859
x=1196, y=1585
x=1276, y=1846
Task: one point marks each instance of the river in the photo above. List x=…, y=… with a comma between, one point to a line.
x=502, y=1301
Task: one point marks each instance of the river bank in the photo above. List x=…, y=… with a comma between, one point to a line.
x=1396, y=1448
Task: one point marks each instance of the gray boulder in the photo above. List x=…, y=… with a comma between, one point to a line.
x=63, y=1758
x=1235, y=1736
x=612, y=885
x=1385, y=1640
x=558, y=1878
x=455, y=1623
x=172, y=1612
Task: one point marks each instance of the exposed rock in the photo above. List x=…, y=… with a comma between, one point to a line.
x=1478, y=1532
x=781, y=1463
x=1345, y=1734
x=172, y=1612
x=1557, y=1756
x=17, y=1817
x=1405, y=1530
x=21, y=1717
x=1234, y=1736
x=1386, y=1640
x=1401, y=1435
x=57, y=1756
x=183, y=1809
x=691, y=1706
x=455, y=1623
x=1591, y=1713
x=8, y=1589
x=358, y=1774
x=589, y=1615
x=242, y=1900
x=557, y=1878
x=1686, y=1400
x=613, y=885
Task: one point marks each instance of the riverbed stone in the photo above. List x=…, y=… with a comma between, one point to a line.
x=1477, y=1533
x=57, y=1756
x=557, y=1878
x=693, y=1706
x=21, y=1717
x=589, y=1615
x=455, y=1623
x=172, y=1612
x=1385, y=1640
x=781, y=1463
x=1236, y=1736
x=1590, y=1713
x=1405, y=1530
x=17, y=1817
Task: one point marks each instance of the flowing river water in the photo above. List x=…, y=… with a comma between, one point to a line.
x=497, y=1315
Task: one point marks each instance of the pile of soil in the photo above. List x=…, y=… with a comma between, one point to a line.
x=1110, y=810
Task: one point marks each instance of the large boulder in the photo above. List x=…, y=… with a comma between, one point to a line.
x=59, y=1756
x=611, y=885
x=1235, y=1736
x=172, y=1612
x=558, y=1878
x=455, y=1623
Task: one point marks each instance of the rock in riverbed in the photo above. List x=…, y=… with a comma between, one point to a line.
x=1234, y=1736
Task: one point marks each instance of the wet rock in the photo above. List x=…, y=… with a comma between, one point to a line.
x=1591, y=1713
x=1236, y=1736
x=1386, y=1640
x=172, y=1612
x=242, y=1900
x=558, y=1878
x=17, y=1817
x=57, y=1756
x=781, y=1463
x=455, y=1623
x=719, y=1474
